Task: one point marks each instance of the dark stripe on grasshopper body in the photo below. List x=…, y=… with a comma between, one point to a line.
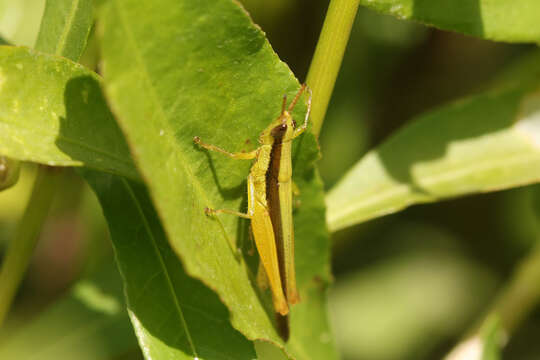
x=272, y=196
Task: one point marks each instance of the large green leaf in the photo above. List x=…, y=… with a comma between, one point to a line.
x=485, y=143
x=88, y=323
x=176, y=69
x=502, y=20
x=52, y=111
x=65, y=27
x=174, y=316
x=64, y=30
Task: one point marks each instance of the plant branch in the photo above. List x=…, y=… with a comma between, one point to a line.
x=21, y=247
x=515, y=301
x=521, y=294
x=328, y=56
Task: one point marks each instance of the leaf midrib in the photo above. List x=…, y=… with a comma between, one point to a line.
x=159, y=256
x=346, y=209
x=161, y=111
x=60, y=46
x=247, y=329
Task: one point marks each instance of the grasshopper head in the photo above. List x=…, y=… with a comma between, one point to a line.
x=282, y=128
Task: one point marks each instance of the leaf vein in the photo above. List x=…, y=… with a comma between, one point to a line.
x=349, y=208
x=156, y=100
x=63, y=37
x=162, y=264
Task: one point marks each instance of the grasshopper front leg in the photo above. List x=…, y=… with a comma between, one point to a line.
x=240, y=156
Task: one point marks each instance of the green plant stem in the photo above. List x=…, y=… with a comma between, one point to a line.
x=21, y=247
x=517, y=299
x=521, y=294
x=326, y=62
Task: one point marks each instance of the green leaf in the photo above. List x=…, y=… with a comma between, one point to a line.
x=501, y=20
x=206, y=70
x=492, y=334
x=174, y=316
x=311, y=337
x=524, y=72
x=486, y=143
x=65, y=27
x=88, y=323
x=52, y=111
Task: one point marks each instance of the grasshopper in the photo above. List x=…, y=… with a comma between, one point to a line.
x=270, y=188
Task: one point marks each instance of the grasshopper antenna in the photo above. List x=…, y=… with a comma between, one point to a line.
x=284, y=104
x=297, y=97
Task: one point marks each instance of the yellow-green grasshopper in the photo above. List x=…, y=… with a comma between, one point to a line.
x=270, y=188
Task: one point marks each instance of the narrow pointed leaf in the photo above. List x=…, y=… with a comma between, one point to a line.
x=174, y=316
x=52, y=111
x=485, y=143
x=501, y=20
x=65, y=27
x=206, y=70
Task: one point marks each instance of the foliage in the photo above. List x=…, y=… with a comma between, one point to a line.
x=170, y=70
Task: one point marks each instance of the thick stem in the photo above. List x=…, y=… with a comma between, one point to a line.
x=328, y=56
x=22, y=245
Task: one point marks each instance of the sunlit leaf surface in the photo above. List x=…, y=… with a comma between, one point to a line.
x=224, y=84
x=502, y=20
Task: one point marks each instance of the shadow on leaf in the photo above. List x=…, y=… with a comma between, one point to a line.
x=89, y=132
x=443, y=14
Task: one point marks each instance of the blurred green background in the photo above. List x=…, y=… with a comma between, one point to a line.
x=407, y=285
